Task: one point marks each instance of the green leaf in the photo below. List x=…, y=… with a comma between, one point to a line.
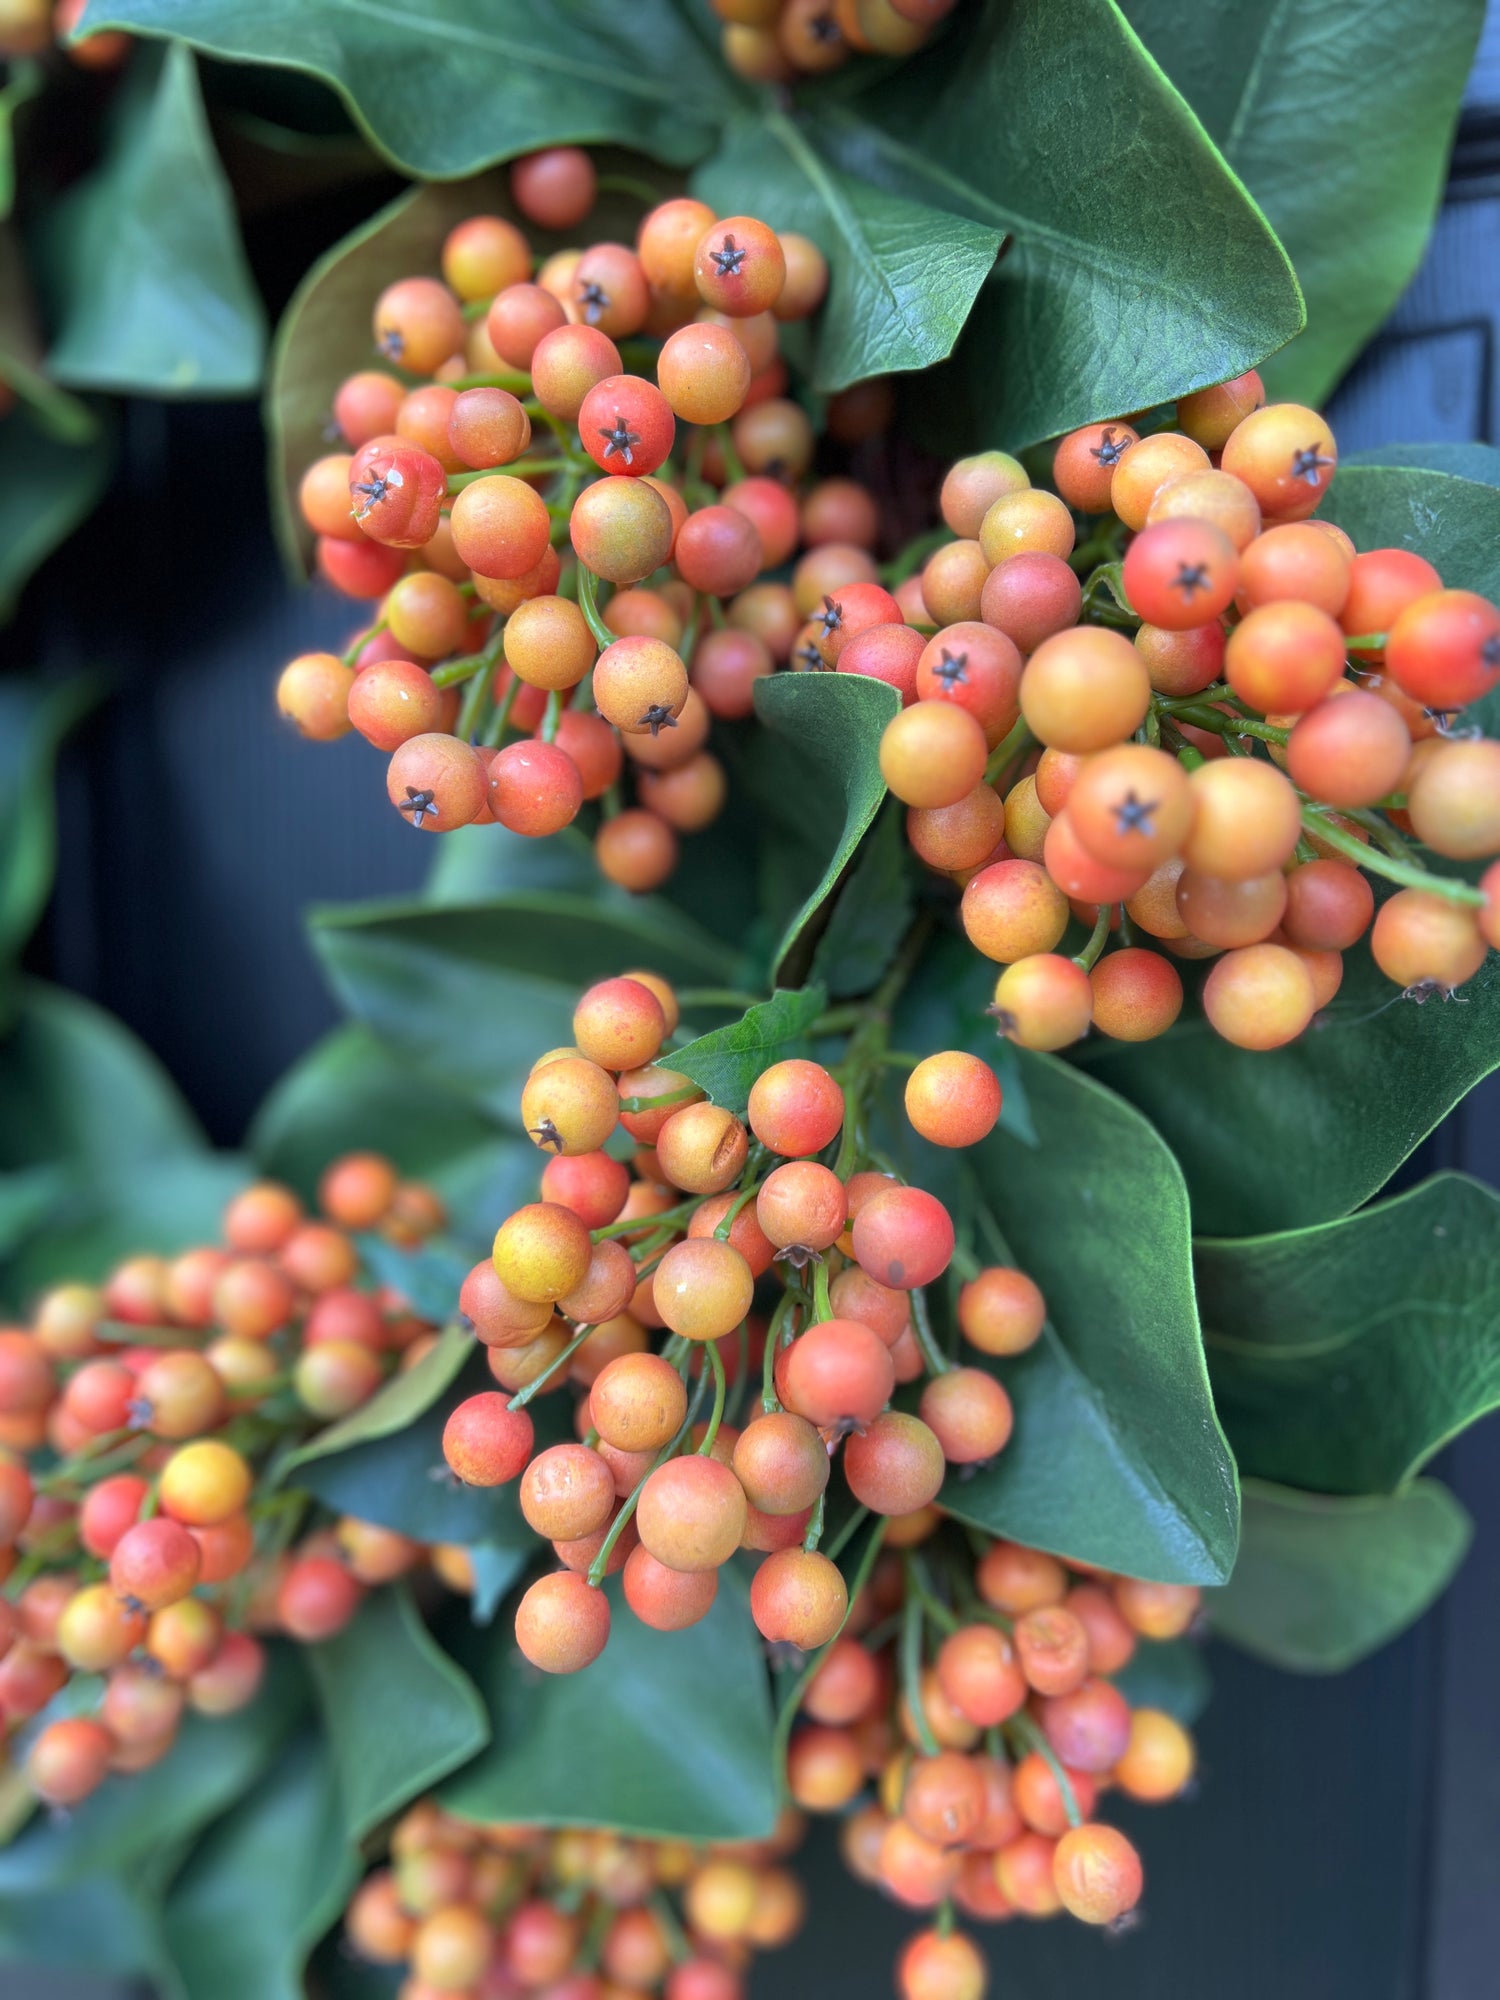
x=471, y=994
x=94, y=1923
x=349, y=1093
x=1454, y=521
x=429, y=1278
x=263, y=1885
x=147, y=1813
x=1344, y=1356
x=153, y=293
x=325, y=334
x=1171, y=1675
x=872, y=912
x=34, y=719
x=667, y=1736
x=1465, y=461
x=62, y=416
x=904, y=275
x=1280, y=1138
x=726, y=1061
x=1117, y=1457
x=399, y=1713
x=816, y=774
x=451, y=86
x=24, y=80
x=1322, y=1582
x=385, y=1463
x=1137, y=267
x=46, y=488
x=1287, y=94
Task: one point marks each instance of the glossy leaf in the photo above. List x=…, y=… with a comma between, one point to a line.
x=1170, y=1675
x=1452, y=519
x=817, y=777
x=904, y=274
x=385, y=1463
x=34, y=719
x=263, y=1885
x=1322, y=1582
x=349, y=1093
x=130, y=1818
x=471, y=994
x=399, y=1713
x=726, y=1061
x=100, y=1923
x=1344, y=1356
x=46, y=488
x=1287, y=95
x=1137, y=265
x=1465, y=461
x=153, y=293
x=428, y=1278
x=63, y=416
x=1117, y=1457
x=452, y=86
x=871, y=913
x=667, y=1736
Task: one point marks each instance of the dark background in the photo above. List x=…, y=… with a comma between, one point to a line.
x=1344, y=1842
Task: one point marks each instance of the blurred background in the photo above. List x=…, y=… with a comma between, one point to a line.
x=1344, y=1838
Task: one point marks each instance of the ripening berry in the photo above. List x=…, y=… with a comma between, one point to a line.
x=638, y=1402
x=702, y=1288
x=418, y=324
x=542, y=1252
x=487, y=427
x=972, y=485
x=314, y=693
x=953, y=581
x=1079, y=874
x=96, y=1630
x=933, y=754
x=335, y=1377
x=1284, y=657
x=394, y=700
x=718, y=550
x=1052, y=1646
x=520, y=317
x=498, y=1316
x=1013, y=909
x=619, y=1024
x=1098, y=1873
x=798, y=1597
x=1131, y=807
x=795, y=1108
x=436, y=783
x=1382, y=583
x=204, y=1483
x=154, y=1564
x=360, y=569
x=485, y=1442
x=1349, y=752
x=977, y=668
x=941, y=1966
x=1298, y=561
x=500, y=526
x=836, y=1372
x=894, y=1466
x=668, y=1600
x=567, y=1492
x=1329, y=905
x=396, y=491
x=1159, y=1760
x=636, y=851
x=1001, y=1311
x=1030, y=597
x=484, y=254
x=806, y=283
x=177, y=1395
x=1181, y=573
x=1229, y=914
x=1145, y=467
x=1246, y=819
x=535, y=789
x=903, y=1237
x=1181, y=663
x=1043, y=1002
x=1444, y=649
x=979, y=1674
x=1286, y=455
x=739, y=266
x=1209, y=416
x=1454, y=800
x=608, y=290
x=69, y=1760
x=802, y=1204
x=969, y=1413
x=365, y=406
x=1084, y=690
x=1213, y=499
x=606, y=1290
x=1137, y=994
x=1420, y=939
x=1031, y=522
x=915, y=1871
x=1084, y=462
x=701, y=1148
x=781, y=1462
x=1260, y=997
x=561, y=1624
x=691, y=1513
x=107, y=1510
x=554, y=188
x=888, y=653
x=953, y=1099
x=1157, y=1610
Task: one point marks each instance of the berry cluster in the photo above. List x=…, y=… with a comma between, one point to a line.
x=1239, y=722
x=500, y=1912
x=498, y=686
x=775, y=41
x=134, y=1539
x=971, y=1688
x=661, y=1483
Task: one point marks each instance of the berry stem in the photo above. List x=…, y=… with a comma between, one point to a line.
x=717, y=996
x=478, y=692
x=521, y=468
x=822, y=1303
x=507, y=378
x=600, y=1565
x=644, y=1224
x=1229, y=725
x=716, y=1415
x=1408, y=875
x=1381, y=830
x=912, y=1622
x=847, y=1533
x=1366, y=642
x=358, y=646
x=661, y=1908
x=1015, y=743
x=626, y=184
x=1023, y=1728
x=933, y=1358
x=588, y=604
x=731, y=1214
x=523, y=1396
x=965, y=1263
x=770, y=1402
x=734, y=465
x=552, y=716
x=787, y=1714
x=914, y=556
x=814, y=1533
x=1098, y=938
x=679, y=1096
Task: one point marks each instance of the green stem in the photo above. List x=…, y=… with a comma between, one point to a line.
x=933, y=1358
x=518, y=383
x=914, y=556
x=1381, y=830
x=1230, y=725
x=1098, y=937
x=523, y=1396
x=474, y=700
x=775, y=1332
x=718, y=996
x=588, y=604
x=681, y=1095
x=716, y=1415
x=822, y=1303
x=965, y=1263
x=1402, y=872
x=1366, y=642
x=600, y=1565
x=1015, y=743
x=644, y=1224
x=625, y=184
x=363, y=640
x=552, y=716
x=734, y=465
x=911, y=1663
x=731, y=1214
x=1023, y=1729
x=520, y=468
x=676, y=1938
x=814, y=1533
x=847, y=1533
